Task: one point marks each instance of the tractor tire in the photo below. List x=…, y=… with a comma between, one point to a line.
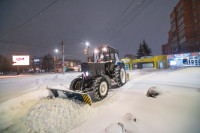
x=120, y=75
x=101, y=88
x=76, y=84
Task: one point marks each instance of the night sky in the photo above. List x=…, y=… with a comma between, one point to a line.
x=37, y=27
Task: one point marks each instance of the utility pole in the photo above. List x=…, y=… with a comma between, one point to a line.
x=63, y=58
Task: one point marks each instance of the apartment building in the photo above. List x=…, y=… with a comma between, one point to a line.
x=184, y=35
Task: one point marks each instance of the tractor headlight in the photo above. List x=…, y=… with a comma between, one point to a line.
x=87, y=74
x=96, y=51
x=104, y=49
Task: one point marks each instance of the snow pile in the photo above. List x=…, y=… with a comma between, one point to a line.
x=56, y=115
x=115, y=128
x=154, y=91
x=127, y=124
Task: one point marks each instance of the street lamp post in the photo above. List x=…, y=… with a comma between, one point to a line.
x=56, y=51
x=63, y=58
x=87, y=49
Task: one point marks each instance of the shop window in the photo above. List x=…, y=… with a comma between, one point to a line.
x=127, y=66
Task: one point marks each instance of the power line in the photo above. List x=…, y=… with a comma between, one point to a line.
x=124, y=18
x=118, y=19
x=30, y=19
x=146, y=5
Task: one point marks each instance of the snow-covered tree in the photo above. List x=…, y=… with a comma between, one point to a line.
x=143, y=50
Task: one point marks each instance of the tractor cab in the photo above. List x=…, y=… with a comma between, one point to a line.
x=105, y=54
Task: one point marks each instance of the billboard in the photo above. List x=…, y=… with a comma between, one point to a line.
x=21, y=60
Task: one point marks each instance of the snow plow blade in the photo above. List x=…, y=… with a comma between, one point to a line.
x=72, y=95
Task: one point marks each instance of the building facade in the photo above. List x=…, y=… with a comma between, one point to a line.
x=156, y=62
x=184, y=35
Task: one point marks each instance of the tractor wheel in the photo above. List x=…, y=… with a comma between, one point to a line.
x=120, y=75
x=101, y=89
x=76, y=84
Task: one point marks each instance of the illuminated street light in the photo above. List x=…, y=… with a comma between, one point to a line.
x=56, y=50
x=96, y=51
x=55, y=59
x=87, y=50
x=87, y=44
x=105, y=49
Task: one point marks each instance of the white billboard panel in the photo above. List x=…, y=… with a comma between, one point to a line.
x=21, y=60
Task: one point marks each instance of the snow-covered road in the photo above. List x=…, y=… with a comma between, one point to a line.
x=14, y=86
x=126, y=109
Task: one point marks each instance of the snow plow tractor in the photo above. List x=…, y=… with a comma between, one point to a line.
x=105, y=68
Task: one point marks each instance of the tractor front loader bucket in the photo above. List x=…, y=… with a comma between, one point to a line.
x=83, y=97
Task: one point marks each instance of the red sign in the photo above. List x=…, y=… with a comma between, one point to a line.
x=18, y=59
x=169, y=56
x=195, y=54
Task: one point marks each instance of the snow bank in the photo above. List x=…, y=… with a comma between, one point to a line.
x=56, y=115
